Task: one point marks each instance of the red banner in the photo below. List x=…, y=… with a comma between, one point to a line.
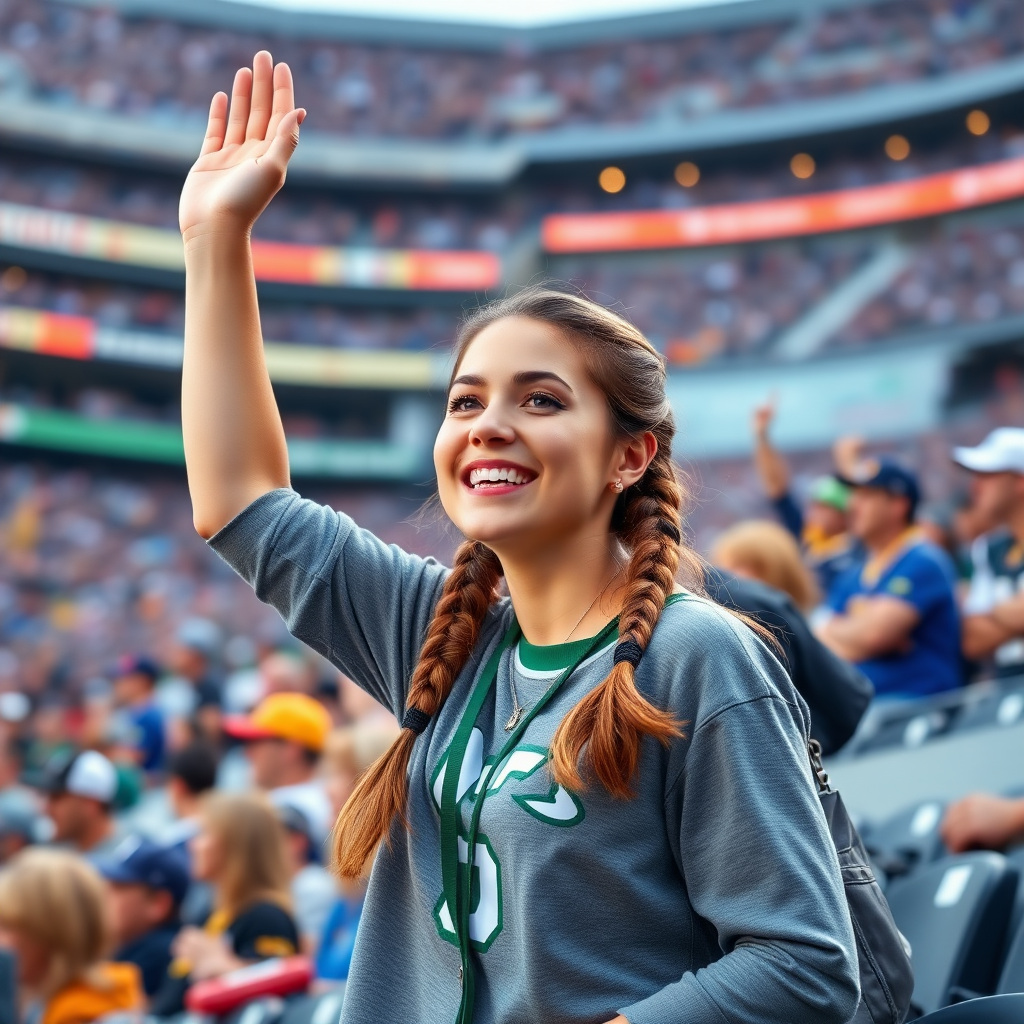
x=779, y=218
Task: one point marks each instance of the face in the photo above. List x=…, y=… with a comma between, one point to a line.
x=826, y=518
x=339, y=784
x=268, y=761
x=206, y=854
x=70, y=814
x=874, y=512
x=130, y=688
x=994, y=496
x=135, y=909
x=32, y=956
x=526, y=454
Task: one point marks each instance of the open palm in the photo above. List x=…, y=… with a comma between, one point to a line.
x=245, y=154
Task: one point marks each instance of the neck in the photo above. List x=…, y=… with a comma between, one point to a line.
x=293, y=775
x=879, y=541
x=568, y=591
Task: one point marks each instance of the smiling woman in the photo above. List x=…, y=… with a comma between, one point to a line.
x=600, y=732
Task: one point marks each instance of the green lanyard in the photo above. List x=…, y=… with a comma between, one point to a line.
x=458, y=896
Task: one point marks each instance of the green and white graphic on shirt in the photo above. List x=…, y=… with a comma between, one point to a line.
x=557, y=807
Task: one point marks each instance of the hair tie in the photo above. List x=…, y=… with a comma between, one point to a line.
x=416, y=720
x=670, y=529
x=628, y=650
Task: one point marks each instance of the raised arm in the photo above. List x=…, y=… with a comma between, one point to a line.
x=235, y=447
x=770, y=465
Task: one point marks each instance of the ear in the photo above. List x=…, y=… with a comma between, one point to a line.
x=633, y=456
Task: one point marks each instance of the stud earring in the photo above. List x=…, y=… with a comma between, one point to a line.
x=617, y=487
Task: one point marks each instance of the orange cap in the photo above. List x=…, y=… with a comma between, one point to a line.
x=284, y=716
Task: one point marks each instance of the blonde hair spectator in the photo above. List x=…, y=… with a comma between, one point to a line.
x=53, y=914
x=765, y=551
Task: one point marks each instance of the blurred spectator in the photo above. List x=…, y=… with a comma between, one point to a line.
x=147, y=884
x=137, y=718
x=821, y=527
x=348, y=752
x=765, y=551
x=312, y=887
x=240, y=851
x=284, y=737
x=983, y=822
x=191, y=774
x=194, y=662
x=19, y=822
x=837, y=693
x=285, y=671
x=994, y=607
x=62, y=977
x=81, y=790
x=895, y=617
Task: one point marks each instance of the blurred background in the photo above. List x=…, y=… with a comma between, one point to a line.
x=815, y=210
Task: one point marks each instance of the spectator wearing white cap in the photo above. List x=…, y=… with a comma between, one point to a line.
x=80, y=793
x=993, y=631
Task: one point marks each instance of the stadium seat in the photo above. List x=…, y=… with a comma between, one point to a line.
x=8, y=988
x=323, y=1009
x=907, y=840
x=1003, y=706
x=1011, y=978
x=954, y=913
x=260, y=1011
x=1008, y=1009
x=1016, y=858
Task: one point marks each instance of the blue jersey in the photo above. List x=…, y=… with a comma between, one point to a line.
x=922, y=575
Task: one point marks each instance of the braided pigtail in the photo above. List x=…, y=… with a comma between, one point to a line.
x=381, y=793
x=607, y=726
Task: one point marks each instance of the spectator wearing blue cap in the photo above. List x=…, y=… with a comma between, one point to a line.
x=138, y=720
x=895, y=617
x=994, y=607
x=147, y=884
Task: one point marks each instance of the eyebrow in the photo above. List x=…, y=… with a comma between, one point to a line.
x=521, y=378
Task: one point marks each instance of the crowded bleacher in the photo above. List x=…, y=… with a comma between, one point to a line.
x=173, y=760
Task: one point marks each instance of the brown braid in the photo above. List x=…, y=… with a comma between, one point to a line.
x=607, y=726
x=381, y=794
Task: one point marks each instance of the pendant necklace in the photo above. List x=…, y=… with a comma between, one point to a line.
x=518, y=710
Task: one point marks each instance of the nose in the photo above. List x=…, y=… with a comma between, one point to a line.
x=491, y=427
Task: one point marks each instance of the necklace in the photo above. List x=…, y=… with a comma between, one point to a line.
x=518, y=710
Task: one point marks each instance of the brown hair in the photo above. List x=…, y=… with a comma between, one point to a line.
x=58, y=899
x=252, y=845
x=605, y=729
x=768, y=552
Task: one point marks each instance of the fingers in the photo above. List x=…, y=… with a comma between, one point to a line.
x=284, y=97
x=216, y=124
x=241, y=93
x=262, y=96
x=286, y=139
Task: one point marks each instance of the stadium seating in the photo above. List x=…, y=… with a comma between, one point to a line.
x=907, y=840
x=954, y=913
x=1005, y=1009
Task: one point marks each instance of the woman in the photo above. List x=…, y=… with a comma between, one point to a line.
x=240, y=851
x=767, y=552
x=53, y=918
x=638, y=841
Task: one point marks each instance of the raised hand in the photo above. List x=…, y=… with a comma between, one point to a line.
x=245, y=154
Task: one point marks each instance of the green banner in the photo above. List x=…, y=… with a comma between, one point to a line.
x=159, y=442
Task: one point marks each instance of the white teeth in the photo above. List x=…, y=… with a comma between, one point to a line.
x=495, y=475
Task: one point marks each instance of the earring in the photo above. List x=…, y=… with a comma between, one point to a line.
x=617, y=487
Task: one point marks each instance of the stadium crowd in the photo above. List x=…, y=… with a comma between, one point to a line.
x=167, y=749
x=164, y=69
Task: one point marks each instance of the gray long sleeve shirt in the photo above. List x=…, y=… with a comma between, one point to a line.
x=712, y=897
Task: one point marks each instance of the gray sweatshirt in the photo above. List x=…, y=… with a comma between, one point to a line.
x=713, y=896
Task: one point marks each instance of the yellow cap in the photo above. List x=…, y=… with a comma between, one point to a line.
x=284, y=716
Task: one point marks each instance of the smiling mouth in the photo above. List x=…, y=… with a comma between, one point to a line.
x=491, y=479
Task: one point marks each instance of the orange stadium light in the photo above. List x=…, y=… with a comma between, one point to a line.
x=687, y=174
x=841, y=210
x=612, y=179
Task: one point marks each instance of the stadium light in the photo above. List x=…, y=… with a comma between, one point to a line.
x=802, y=165
x=612, y=179
x=978, y=122
x=897, y=147
x=12, y=279
x=687, y=174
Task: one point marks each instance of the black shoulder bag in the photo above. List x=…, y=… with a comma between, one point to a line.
x=883, y=955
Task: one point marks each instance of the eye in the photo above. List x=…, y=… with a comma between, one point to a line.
x=542, y=400
x=463, y=403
